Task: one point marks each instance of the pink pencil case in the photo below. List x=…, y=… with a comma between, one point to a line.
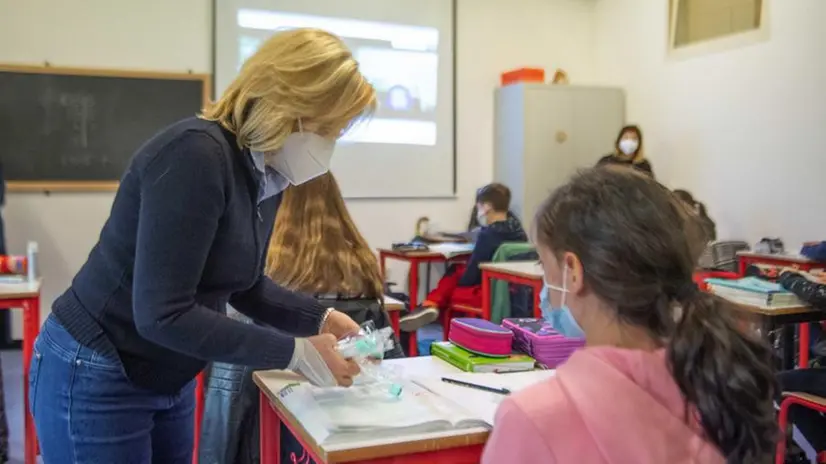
x=480, y=336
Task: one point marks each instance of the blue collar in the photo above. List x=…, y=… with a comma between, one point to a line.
x=271, y=182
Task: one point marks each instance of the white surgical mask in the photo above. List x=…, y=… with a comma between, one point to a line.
x=628, y=146
x=482, y=218
x=303, y=156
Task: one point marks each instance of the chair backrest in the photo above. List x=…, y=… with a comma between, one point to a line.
x=499, y=292
x=724, y=254
x=507, y=250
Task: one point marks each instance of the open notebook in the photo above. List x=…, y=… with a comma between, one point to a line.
x=478, y=403
x=340, y=415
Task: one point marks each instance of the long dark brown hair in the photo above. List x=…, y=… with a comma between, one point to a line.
x=316, y=247
x=638, y=247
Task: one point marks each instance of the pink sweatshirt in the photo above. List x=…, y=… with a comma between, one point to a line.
x=605, y=405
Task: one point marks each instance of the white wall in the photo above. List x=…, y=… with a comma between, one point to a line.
x=163, y=35
x=743, y=129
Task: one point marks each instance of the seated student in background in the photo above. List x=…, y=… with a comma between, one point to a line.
x=665, y=376
x=327, y=257
x=462, y=284
x=628, y=151
x=699, y=209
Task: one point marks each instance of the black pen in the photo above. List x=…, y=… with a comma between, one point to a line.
x=499, y=391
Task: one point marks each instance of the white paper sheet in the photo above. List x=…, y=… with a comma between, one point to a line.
x=479, y=403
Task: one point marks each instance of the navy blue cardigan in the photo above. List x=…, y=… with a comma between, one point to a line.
x=186, y=235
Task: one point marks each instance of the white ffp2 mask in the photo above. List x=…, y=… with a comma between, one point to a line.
x=303, y=156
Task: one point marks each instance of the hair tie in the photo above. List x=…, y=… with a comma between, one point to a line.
x=687, y=291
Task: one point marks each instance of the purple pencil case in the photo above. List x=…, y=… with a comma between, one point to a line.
x=538, y=339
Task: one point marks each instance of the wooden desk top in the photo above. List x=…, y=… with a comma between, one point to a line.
x=449, y=238
x=391, y=304
x=271, y=382
x=20, y=291
x=526, y=269
x=769, y=312
x=792, y=258
x=819, y=400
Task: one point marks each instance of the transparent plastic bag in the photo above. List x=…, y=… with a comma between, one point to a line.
x=367, y=348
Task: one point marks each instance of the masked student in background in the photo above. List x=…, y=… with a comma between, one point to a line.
x=329, y=259
x=660, y=354
x=628, y=151
x=462, y=284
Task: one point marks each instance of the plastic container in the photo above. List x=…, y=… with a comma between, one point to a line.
x=516, y=76
x=31, y=257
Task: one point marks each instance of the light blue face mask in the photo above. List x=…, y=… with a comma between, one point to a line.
x=559, y=318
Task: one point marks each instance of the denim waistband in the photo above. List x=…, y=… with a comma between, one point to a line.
x=59, y=341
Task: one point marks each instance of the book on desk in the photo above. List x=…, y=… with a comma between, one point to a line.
x=754, y=291
x=13, y=279
x=427, y=404
x=339, y=415
x=472, y=362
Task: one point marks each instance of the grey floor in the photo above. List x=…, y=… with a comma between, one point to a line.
x=12, y=362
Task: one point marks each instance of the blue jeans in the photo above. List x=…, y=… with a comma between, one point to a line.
x=86, y=410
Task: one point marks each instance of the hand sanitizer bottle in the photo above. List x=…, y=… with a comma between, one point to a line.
x=31, y=257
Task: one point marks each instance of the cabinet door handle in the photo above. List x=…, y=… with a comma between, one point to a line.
x=561, y=136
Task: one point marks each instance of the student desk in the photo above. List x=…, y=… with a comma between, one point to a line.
x=516, y=272
x=415, y=258
x=784, y=319
x=746, y=258
x=27, y=297
x=447, y=447
x=391, y=305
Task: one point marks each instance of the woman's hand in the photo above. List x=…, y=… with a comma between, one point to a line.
x=339, y=325
x=323, y=348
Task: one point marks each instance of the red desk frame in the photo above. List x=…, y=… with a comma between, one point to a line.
x=200, y=387
x=489, y=274
x=745, y=259
x=414, y=258
x=29, y=301
x=812, y=402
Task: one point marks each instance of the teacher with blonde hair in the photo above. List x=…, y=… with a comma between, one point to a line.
x=113, y=376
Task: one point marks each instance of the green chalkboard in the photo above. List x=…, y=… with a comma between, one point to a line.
x=74, y=129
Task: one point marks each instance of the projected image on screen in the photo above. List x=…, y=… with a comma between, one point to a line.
x=401, y=61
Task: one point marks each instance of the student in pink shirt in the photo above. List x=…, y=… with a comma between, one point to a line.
x=665, y=377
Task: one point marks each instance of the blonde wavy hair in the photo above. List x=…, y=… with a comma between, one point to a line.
x=299, y=73
x=315, y=246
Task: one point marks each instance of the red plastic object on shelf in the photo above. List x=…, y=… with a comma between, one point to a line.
x=13, y=264
x=516, y=76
